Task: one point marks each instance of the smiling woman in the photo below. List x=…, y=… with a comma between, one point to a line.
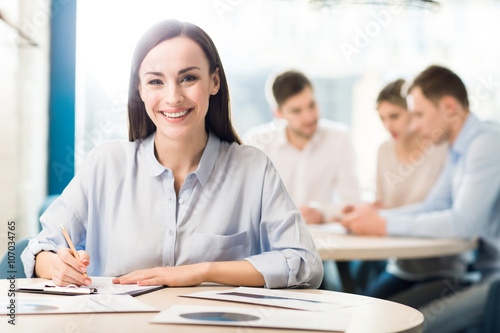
x=183, y=202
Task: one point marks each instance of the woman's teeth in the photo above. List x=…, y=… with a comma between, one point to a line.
x=175, y=115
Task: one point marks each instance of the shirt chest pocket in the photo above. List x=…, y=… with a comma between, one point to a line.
x=210, y=247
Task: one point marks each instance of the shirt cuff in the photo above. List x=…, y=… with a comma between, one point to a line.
x=397, y=226
x=272, y=266
x=28, y=256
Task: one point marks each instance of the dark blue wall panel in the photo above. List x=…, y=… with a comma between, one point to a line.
x=61, y=166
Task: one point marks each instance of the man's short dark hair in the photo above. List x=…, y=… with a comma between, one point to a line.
x=289, y=84
x=437, y=82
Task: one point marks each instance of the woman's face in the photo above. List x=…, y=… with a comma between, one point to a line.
x=395, y=118
x=175, y=86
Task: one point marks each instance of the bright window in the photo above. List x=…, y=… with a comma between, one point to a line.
x=350, y=52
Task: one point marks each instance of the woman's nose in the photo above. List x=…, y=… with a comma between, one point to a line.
x=173, y=95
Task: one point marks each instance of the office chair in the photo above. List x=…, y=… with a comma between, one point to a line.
x=20, y=246
x=491, y=323
x=18, y=267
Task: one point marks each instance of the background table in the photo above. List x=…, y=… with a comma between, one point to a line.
x=334, y=244
x=377, y=316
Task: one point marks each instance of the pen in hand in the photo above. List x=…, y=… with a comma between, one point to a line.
x=71, y=246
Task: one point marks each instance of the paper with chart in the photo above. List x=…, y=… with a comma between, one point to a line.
x=81, y=304
x=253, y=317
x=103, y=285
x=282, y=298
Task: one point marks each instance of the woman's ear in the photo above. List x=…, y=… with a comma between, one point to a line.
x=215, y=82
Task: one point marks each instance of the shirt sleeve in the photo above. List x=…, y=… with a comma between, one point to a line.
x=458, y=210
x=69, y=209
x=348, y=184
x=439, y=198
x=289, y=257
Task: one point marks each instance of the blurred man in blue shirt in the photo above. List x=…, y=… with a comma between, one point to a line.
x=465, y=201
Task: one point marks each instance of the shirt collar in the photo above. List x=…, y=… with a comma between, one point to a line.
x=463, y=138
x=205, y=167
x=208, y=158
x=155, y=168
x=282, y=139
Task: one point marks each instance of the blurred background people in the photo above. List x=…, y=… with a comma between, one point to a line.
x=407, y=168
x=465, y=201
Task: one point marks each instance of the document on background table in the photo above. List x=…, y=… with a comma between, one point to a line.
x=82, y=304
x=104, y=285
x=281, y=298
x=253, y=317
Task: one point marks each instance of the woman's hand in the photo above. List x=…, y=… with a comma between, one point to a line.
x=179, y=276
x=66, y=269
x=235, y=273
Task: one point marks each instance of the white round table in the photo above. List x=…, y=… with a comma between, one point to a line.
x=374, y=315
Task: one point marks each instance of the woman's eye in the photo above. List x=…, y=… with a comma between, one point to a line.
x=155, y=82
x=188, y=78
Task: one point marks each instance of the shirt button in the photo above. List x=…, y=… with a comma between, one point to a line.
x=170, y=232
x=181, y=201
x=170, y=199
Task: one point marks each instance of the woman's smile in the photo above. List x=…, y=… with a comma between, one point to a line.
x=175, y=115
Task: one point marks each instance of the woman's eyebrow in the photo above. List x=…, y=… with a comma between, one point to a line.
x=187, y=69
x=154, y=73
x=182, y=71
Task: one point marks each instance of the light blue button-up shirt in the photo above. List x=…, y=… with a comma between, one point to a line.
x=465, y=202
x=121, y=207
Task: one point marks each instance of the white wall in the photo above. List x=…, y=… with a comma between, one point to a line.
x=9, y=124
x=24, y=75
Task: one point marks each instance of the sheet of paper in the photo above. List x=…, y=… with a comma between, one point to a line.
x=105, y=285
x=281, y=298
x=78, y=304
x=253, y=317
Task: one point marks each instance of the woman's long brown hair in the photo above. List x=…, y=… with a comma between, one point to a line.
x=218, y=118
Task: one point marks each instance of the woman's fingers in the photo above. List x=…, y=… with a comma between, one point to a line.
x=84, y=257
x=141, y=275
x=68, y=270
x=63, y=280
x=130, y=278
x=67, y=257
x=150, y=282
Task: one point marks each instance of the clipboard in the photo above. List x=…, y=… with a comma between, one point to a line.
x=71, y=290
x=100, y=285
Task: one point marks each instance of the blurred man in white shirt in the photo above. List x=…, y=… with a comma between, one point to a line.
x=315, y=157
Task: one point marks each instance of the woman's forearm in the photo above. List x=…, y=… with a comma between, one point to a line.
x=43, y=264
x=237, y=273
